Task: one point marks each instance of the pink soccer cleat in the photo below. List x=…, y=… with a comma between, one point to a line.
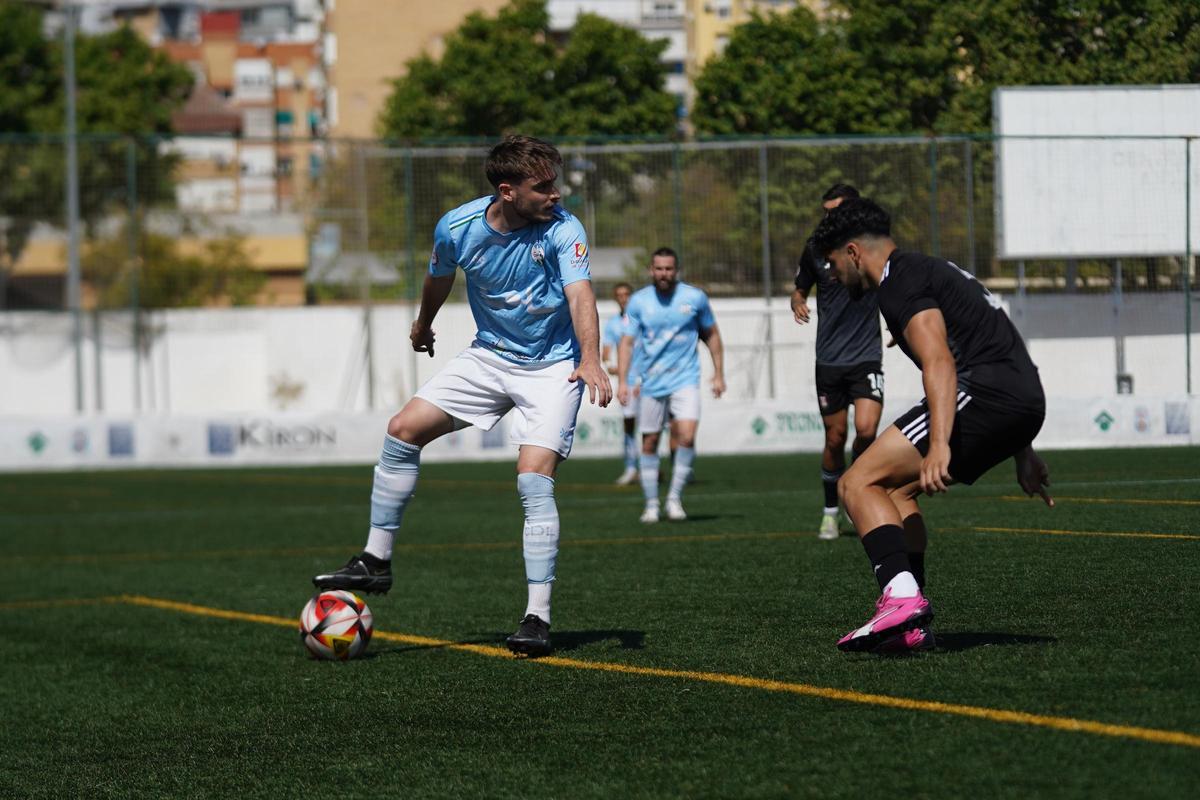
x=915, y=640
x=893, y=615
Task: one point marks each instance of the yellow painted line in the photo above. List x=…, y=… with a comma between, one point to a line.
x=64, y=603
x=1114, y=501
x=1053, y=532
x=1069, y=724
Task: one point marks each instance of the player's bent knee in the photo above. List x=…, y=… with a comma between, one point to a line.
x=851, y=486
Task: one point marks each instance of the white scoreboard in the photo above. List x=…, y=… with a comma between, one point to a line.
x=1096, y=171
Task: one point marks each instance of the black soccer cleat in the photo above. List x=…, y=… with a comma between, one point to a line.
x=362, y=573
x=532, y=637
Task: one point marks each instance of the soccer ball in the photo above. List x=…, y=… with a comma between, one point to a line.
x=336, y=626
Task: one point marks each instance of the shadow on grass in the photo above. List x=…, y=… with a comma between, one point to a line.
x=564, y=641
x=968, y=640
x=701, y=518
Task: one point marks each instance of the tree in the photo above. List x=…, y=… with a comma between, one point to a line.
x=786, y=74
x=924, y=66
x=505, y=74
x=124, y=88
x=1055, y=42
x=167, y=275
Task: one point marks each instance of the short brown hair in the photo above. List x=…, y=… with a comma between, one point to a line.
x=520, y=157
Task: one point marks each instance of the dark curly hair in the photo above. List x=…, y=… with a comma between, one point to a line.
x=856, y=216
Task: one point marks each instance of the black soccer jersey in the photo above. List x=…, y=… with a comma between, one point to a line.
x=989, y=355
x=847, y=330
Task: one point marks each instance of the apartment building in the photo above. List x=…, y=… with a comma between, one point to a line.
x=367, y=44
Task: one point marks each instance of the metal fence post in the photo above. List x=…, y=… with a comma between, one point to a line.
x=410, y=236
x=764, y=214
x=135, y=268
x=934, y=244
x=1187, y=259
x=72, y=199
x=677, y=166
x=969, y=175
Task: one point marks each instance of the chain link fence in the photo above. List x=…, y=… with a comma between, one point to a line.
x=196, y=221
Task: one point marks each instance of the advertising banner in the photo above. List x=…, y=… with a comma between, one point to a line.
x=37, y=443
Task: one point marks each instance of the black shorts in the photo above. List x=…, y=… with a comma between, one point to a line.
x=838, y=387
x=984, y=433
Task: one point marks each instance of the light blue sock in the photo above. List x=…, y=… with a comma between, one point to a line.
x=540, y=534
x=631, y=451
x=684, y=458
x=395, y=482
x=650, y=477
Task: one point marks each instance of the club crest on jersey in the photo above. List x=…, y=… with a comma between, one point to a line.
x=686, y=308
x=538, y=253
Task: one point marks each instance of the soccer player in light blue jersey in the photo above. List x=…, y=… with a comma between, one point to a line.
x=667, y=320
x=528, y=284
x=610, y=343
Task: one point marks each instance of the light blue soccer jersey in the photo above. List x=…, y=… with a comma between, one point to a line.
x=616, y=327
x=666, y=330
x=515, y=280
x=613, y=330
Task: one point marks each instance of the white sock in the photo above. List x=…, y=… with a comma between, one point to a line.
x=831, y=512
x=681, y=471
x=539, y=601
x=379, y=543
x=903, y=585
x=649, y=465
x=395, y=482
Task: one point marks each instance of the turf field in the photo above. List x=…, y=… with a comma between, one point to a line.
x=149, y=648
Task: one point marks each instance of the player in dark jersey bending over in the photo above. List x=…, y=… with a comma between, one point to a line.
x=983, y=404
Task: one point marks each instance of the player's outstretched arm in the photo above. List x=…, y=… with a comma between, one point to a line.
x=712, y=338
x=582, y=302
x=433, y=295
x=1033, y=475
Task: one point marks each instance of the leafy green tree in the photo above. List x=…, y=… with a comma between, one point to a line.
x=168, y=276
x=786, y=74
x=1056, y=42
x=876, y=66
x=124, y=87
x=27, y=79
x=506, y=73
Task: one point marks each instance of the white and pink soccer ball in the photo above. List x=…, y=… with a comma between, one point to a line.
x=336, y=625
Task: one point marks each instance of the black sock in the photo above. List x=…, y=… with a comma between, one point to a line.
x=917, y=562
x=885, y=548
x=374, y=561
x=829, y=481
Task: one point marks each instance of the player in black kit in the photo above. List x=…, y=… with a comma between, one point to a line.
x=848, y=370
x=983, y=404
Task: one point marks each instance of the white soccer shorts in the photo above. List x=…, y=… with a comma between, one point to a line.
x=682, y=403
x=629, y=411
x=479, y=387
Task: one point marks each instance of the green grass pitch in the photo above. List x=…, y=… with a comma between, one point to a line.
x=1087, y=613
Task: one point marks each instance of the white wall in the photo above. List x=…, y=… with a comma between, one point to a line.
x=262, y=386
x=311, y=360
